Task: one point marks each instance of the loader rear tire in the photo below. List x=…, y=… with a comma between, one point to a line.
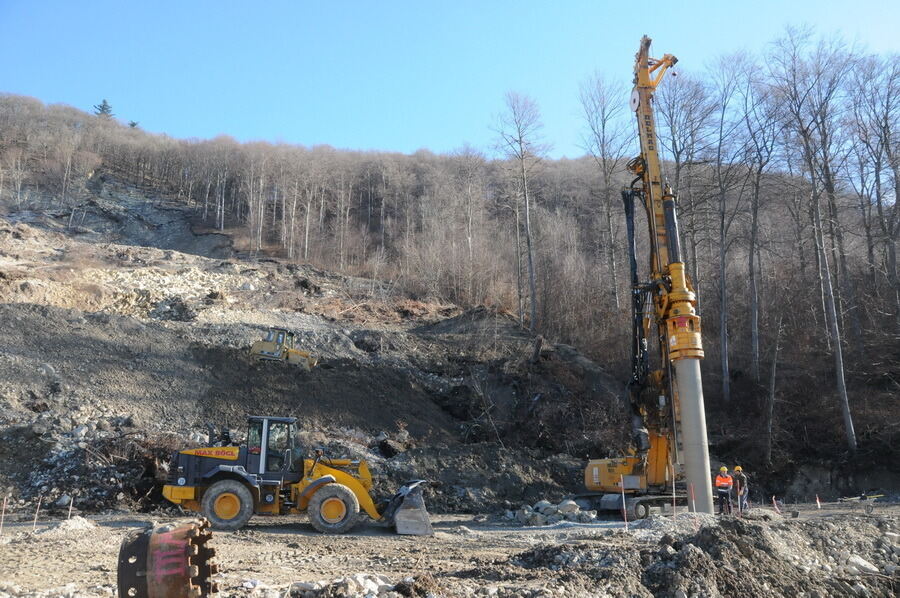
x=228, y=505
x=333, y=509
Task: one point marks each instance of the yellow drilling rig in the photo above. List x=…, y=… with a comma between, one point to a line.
x=668, y=419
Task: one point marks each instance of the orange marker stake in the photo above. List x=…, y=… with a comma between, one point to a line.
x=775, y=504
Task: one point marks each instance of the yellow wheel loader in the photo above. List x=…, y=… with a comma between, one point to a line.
x=278, y=345
x=269, y=475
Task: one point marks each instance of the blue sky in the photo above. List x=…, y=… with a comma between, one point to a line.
x=385, y=75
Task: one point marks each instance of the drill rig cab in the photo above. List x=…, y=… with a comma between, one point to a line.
x=271, y=475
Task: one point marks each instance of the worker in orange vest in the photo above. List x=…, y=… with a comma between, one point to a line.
x=724, y=483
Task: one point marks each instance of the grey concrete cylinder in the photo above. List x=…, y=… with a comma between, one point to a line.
x=694, y=443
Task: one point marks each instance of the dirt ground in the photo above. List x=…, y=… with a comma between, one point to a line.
x=468, y=556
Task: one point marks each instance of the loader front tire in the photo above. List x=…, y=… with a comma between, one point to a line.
x=333, y=509
x=228, y=505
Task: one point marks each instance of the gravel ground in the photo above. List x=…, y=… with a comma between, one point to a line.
x=471, y=556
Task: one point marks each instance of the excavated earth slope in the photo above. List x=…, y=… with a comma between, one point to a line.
x=114, y=353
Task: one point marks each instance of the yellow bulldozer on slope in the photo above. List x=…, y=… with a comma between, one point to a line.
x=278, y=345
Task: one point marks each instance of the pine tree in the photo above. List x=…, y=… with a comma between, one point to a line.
x=103, y=109
x=133, y=124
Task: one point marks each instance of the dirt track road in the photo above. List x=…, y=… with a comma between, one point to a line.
x=275, y=551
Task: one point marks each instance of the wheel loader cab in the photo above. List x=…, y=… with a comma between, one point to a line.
x=289, y=340
x=273, y=451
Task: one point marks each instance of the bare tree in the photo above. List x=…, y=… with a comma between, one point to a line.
x=519, y=128
x=876, y=123
x=686, y=112
x=729, y=178
x=867, y=168
x=770, y=403
x=608, y=140
x=65, y=154
x=470, y=178
x=762, y=124
x=807, y=86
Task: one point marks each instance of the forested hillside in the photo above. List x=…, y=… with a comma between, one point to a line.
x=787, y=167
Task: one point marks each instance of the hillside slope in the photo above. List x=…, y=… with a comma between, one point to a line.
x=115, y=352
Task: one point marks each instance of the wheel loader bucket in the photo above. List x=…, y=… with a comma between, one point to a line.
x=407, y=511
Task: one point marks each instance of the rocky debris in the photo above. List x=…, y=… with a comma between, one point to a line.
x=169, y=293
x=731, y=558
x=482, y=477
x=90, y=459
x=546, y=513
x=215, y=296
x=306, y=285
x=75, y=525
x=390, y=448
x=479, y=321
x=351, y=586
x=656, y=526
x=9, y=590
x=369, y=585
x=610, y=569
x=857, y=564
x=173, y=308
x=393, y=445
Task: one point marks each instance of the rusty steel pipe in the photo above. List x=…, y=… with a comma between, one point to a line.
x=172, y=560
